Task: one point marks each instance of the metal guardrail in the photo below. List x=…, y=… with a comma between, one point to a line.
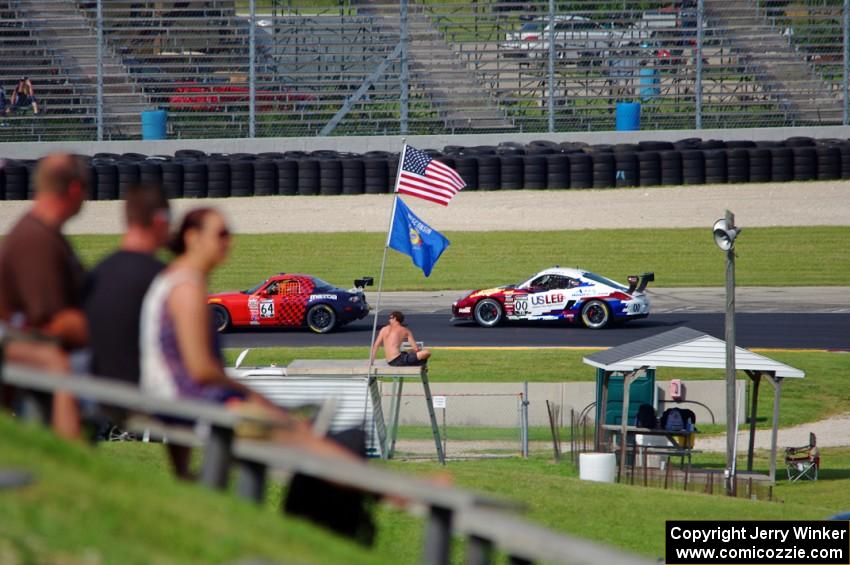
x=486, y=66
x=451, y=511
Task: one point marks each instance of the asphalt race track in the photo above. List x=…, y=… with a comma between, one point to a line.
x=765, y=330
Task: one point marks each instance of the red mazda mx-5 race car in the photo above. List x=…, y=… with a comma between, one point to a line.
x=291, y=300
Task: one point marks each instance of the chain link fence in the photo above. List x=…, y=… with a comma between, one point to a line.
x=251, y=68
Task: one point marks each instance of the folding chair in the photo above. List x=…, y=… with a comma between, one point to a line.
x=803, y=462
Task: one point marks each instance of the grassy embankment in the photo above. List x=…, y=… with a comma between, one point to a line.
x=117, y=504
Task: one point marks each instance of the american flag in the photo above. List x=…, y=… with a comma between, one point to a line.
x=425, y=178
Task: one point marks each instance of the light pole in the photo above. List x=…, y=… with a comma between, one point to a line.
x=725, y=233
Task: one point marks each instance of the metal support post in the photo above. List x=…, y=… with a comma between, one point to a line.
x=698, y=54
x=36, y=407
x=438, y=536
x=217, y=454
x=435, y=429
x=479, y=551
x=99, y=110
x=251, y=480
x=405, y=74
x=252, y=68
x=756, y=378
x=395, y=409
x=524, y=419
x=551, y=70
x=777, y=393
x=731, y=429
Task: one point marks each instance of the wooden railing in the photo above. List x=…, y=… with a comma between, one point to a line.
x=487, y=523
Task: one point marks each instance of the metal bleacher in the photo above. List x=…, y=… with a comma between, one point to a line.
x=472, y=67
x=67, y=107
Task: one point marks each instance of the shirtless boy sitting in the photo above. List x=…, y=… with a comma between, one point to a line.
x=392, y=336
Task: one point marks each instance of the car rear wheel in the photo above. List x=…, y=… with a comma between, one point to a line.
x=321, y=318
x=595, y=314
x=488, y=313
x=221, y=318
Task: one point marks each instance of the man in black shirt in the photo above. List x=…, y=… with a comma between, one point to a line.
x=117, y=286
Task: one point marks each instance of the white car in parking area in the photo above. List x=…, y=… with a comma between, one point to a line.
x=575, y=37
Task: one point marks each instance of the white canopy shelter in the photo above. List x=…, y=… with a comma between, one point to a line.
x=688, y=348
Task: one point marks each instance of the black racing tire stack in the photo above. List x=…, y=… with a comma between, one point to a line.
x=265, y=176
x=805, y=162
x=693, y=166
x=511, y=173
x=581, y=170
x=353, y=176
x=649, y=168
x=671, y=168
x=626, y=168
x=375, y=174
x=287, y=176
x=604, y=170
x=308, y=177
x=737, y=165
x=557, y=170
x=241, y=176
x=534, y=170
x=330, y=177
x=194, y=179
x=16, y=180
x=761, y=164
x=218, y=178
x=715, y=166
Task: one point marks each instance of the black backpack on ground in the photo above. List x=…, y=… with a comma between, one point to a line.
x=346, y=511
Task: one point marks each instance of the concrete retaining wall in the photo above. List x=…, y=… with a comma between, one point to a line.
x=362, y=144
x=497, y=404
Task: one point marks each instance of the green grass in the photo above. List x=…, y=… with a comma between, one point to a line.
x=803, y=400
x=632, y=518
x=679, y=257
x=118, y=504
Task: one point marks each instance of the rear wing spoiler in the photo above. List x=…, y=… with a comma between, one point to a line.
x=638, y=283
x=360, y=284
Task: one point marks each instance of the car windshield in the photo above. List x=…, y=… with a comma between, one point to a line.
x=254, y=289
x=600, y=279
x=319, y=284
x=532, y=26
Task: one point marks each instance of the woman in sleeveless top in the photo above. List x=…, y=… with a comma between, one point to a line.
x=180, y=356
x=22, y=96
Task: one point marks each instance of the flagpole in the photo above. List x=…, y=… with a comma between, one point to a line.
x=386, y=249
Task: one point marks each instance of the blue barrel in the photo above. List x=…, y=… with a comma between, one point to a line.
x=649, y=82
x=153, y=124
x=628, y=116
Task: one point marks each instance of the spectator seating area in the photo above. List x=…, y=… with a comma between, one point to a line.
x=509, y=166
x=67, y=108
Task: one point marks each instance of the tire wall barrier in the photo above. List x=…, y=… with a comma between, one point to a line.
x=538, y=165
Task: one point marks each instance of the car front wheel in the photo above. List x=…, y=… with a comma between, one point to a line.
x=488, y=313
x=221, y=318
x=321, y=318
x=595, y=314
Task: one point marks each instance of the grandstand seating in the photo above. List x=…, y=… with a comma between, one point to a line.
x=466, y=74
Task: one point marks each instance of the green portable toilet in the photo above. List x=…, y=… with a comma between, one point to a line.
x=642, y=391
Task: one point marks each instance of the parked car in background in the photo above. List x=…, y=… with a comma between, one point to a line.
x=558, y=294
x=574, y=36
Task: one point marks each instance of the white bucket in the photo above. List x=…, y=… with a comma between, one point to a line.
x=600, y=467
